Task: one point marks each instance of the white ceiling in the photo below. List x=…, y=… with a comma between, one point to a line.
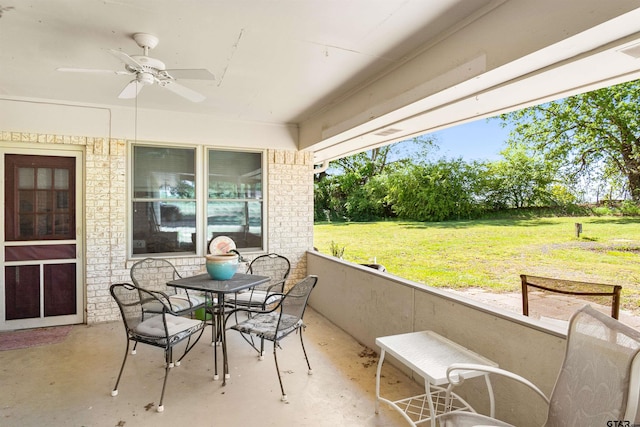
x=296, y=61
x=274, y=61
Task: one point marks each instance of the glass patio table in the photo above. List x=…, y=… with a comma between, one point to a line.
x=218, y=289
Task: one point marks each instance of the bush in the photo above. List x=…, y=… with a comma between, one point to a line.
x=438, y=191
x=337, y=250
x=629, y=208
x=602, y=211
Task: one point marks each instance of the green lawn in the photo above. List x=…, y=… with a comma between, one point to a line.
x=492, y=254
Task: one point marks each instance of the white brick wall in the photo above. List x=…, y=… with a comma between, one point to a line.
x=290, y=207
x=289, y=228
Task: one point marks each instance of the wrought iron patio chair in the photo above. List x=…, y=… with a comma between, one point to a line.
x=153, y=274
x=274, y=266
x=578, y=292
x=276, y=322
x=164, y=329
x=598, y=383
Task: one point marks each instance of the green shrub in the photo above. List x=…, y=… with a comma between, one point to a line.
x=336, y=250
x=629, y=208
x=602, y=211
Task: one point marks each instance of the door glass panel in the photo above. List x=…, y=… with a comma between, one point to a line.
x=43, y=225
x=26, y=179
x=44, y=186
x=61, y=181
x=62, y=224
x=59, y=289
x=22, y=292
x=26, y=226
x=44, y=178
x=26, y=201
x=62, y=200
x=43, y=201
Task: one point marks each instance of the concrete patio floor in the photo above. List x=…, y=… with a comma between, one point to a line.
x=69, y=384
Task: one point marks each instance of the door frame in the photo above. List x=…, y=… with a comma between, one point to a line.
x=76, y=151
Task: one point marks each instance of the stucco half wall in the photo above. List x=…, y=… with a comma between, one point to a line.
x=367, y=304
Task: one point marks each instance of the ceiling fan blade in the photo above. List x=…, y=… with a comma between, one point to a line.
x=192, y=74
x=131, y=90
x=126, y=59
x=90, y=70
x=183, y=91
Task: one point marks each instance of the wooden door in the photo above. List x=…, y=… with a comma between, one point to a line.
x=41, y=285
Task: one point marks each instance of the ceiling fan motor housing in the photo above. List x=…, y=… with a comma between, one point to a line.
x=148, y=63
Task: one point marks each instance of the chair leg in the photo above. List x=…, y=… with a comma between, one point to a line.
x=249, y=338
x=251, y=341
x=114, y=392
x=168, y=356
x=310, y=371
x=275, y=357
x=189, y=346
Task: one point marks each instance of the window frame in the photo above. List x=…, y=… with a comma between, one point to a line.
x=262, y=199
x=201, y=182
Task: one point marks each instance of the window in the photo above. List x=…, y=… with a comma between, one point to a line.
x=234, y=200
x=166, y=197
x=164, y=200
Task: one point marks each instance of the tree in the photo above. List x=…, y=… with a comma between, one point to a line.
x=602, y=126
x=519, y=180
x=354, y=187
x=437, y=191
x=380, y=159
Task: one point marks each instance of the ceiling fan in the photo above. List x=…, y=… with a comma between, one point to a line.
x=147, y=71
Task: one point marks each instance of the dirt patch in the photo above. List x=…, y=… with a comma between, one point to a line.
x=370, y=356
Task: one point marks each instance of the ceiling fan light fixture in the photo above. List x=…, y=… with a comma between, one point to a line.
x=145, y=78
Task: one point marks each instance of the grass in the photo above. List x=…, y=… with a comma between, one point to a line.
x=491, y=254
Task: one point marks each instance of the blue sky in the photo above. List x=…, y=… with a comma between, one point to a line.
x=479, y=140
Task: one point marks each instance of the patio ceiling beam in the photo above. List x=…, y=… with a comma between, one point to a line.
x=495, y=63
